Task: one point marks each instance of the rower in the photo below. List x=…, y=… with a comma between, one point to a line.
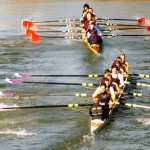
x=104, y=98
x=114, y=85
x=87, y=21
x=123, y=61
x=106, y=72
x=85, y=10
x=92, y=26
x=109, y=88
x=94, y=38
x=120, y=66
x=116, y=76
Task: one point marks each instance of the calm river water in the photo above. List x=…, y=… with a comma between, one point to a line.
x=63, y=128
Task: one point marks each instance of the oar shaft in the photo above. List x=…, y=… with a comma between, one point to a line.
x=63, y=20
x=65, y=37
x=113, y=24
x=89, y=75
x=47, y=106
x=76, y=94
x=59, y=83
x=116, y=19
x=59, y=25
x=140, y=75
x=116, y=35
x=24, y=75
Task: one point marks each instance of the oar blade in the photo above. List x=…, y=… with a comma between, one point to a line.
x=142, y=21
x=22, y=75
x=25, y=23
x=148, y=28
x=28, y=32
x=13, y=81
x=7, y=94
x=35, y=37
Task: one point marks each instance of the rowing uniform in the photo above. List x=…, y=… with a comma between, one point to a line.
x=115, y=87
x=95, y=27
x=96, y=113
x=86, y=24
x=118, y=78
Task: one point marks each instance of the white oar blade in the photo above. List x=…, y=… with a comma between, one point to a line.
x=13, y=81
x=22, y=75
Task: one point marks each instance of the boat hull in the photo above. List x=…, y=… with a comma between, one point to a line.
x=95, y=48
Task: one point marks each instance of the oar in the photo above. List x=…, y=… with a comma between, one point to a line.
x=140, y=75
x=26, y=75
x=29, y=25
x=134, y=105
x=58, y=31
x=7, y=94
x=112, y=29
x=61, y=20
x=138, y=84
x=80, y=32
x=46, y=106
x=59, y=25
x=14, y=81
x=115, y=24
x=10, y=94
x=47, y=21
x=35, y=37
x=140, y=20
x=116, y=35
x=68, y=106
x=21, y=75
x=136, y=94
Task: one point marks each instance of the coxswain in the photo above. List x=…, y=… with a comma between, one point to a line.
x=96, y=111
x=94, y=38
x=116, y=76
x=104, y=98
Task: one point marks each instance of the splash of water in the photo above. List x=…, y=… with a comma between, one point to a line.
x=2, y=105
x=21, y=132
x=89, y=139
x=145, y=121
